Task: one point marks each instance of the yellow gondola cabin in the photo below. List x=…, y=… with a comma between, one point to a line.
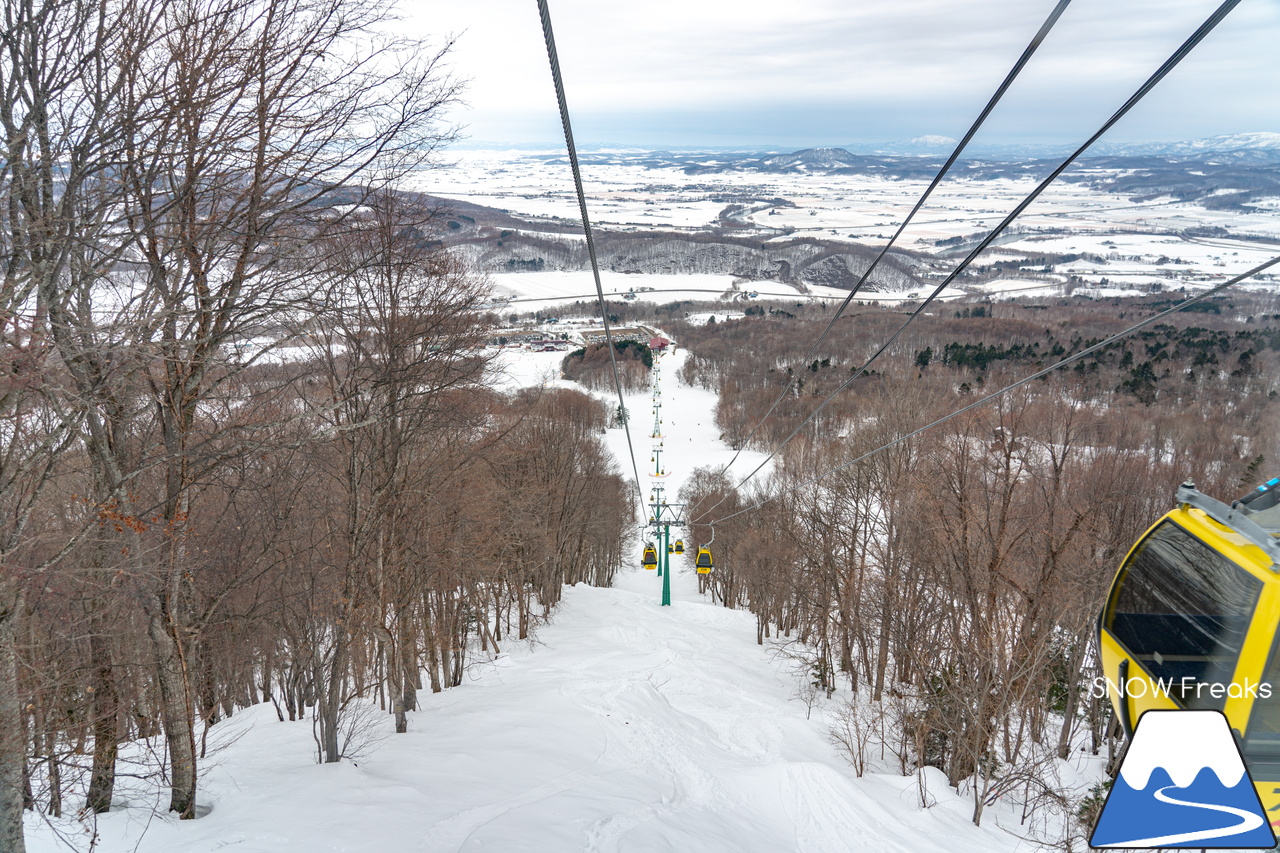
x=1191, y=622
x=703, y=562
x=650, y=559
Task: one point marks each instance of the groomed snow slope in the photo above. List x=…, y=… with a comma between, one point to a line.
x=627, y=727
x=624, y=727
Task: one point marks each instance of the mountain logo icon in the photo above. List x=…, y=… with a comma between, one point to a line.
x=1183, y=783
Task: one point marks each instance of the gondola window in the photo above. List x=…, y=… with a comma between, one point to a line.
x=1183, y=611
x=1261, y=745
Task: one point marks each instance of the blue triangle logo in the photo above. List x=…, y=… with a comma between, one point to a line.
x=1183, y=783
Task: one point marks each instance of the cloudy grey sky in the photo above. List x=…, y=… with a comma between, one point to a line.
x=654, y=73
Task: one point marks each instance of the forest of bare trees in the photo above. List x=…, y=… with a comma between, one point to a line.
x=803, y=260
x=952, y=581
x=248, y=452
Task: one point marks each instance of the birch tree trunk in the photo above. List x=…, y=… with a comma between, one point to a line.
x=106, y=714
x=175, y=710
x=12, y=747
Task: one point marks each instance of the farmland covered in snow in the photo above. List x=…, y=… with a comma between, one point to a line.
x=1093, y=229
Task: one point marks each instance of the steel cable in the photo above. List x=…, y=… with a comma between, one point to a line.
x=884, y=250
x=554, y=59
x=1169, y=64
x=1006, y=389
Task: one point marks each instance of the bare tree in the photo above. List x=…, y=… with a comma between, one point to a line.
x=56, y=141
x=398, y=329
x=181, y=161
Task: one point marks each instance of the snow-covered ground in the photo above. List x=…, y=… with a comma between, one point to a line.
x=547, y=291
x=625, y=726
x=690, y=438
x=623, y=195
x=1131, y=235
x=864, y=208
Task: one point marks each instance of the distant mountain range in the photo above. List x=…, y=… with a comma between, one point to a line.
x=1230, y=148
x=1226, y=172
x=813, y=158
x=1258, y=147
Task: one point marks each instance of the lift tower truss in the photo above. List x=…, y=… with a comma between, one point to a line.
x=664, y=516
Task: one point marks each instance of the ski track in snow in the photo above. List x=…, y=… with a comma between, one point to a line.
x=625, y=727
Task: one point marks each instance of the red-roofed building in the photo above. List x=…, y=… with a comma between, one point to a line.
x=658, y=344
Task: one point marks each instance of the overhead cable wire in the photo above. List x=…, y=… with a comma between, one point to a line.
x=1169, y=64
x=937, y=179
x=554, y=59
x=1010, y=387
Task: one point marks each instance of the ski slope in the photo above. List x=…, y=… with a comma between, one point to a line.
x=624, y=726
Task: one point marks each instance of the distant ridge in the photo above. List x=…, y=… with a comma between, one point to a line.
x=920, y=145
x=1257, y=147
x=811, y=158
x=932, y=139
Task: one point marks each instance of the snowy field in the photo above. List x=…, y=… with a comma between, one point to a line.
x=865, y=208
x=546, y=291
x=622, y=195
x=624, y=726
x=535, y=291
x=1139, y=240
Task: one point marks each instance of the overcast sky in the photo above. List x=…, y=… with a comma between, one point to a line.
x=652, y=73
